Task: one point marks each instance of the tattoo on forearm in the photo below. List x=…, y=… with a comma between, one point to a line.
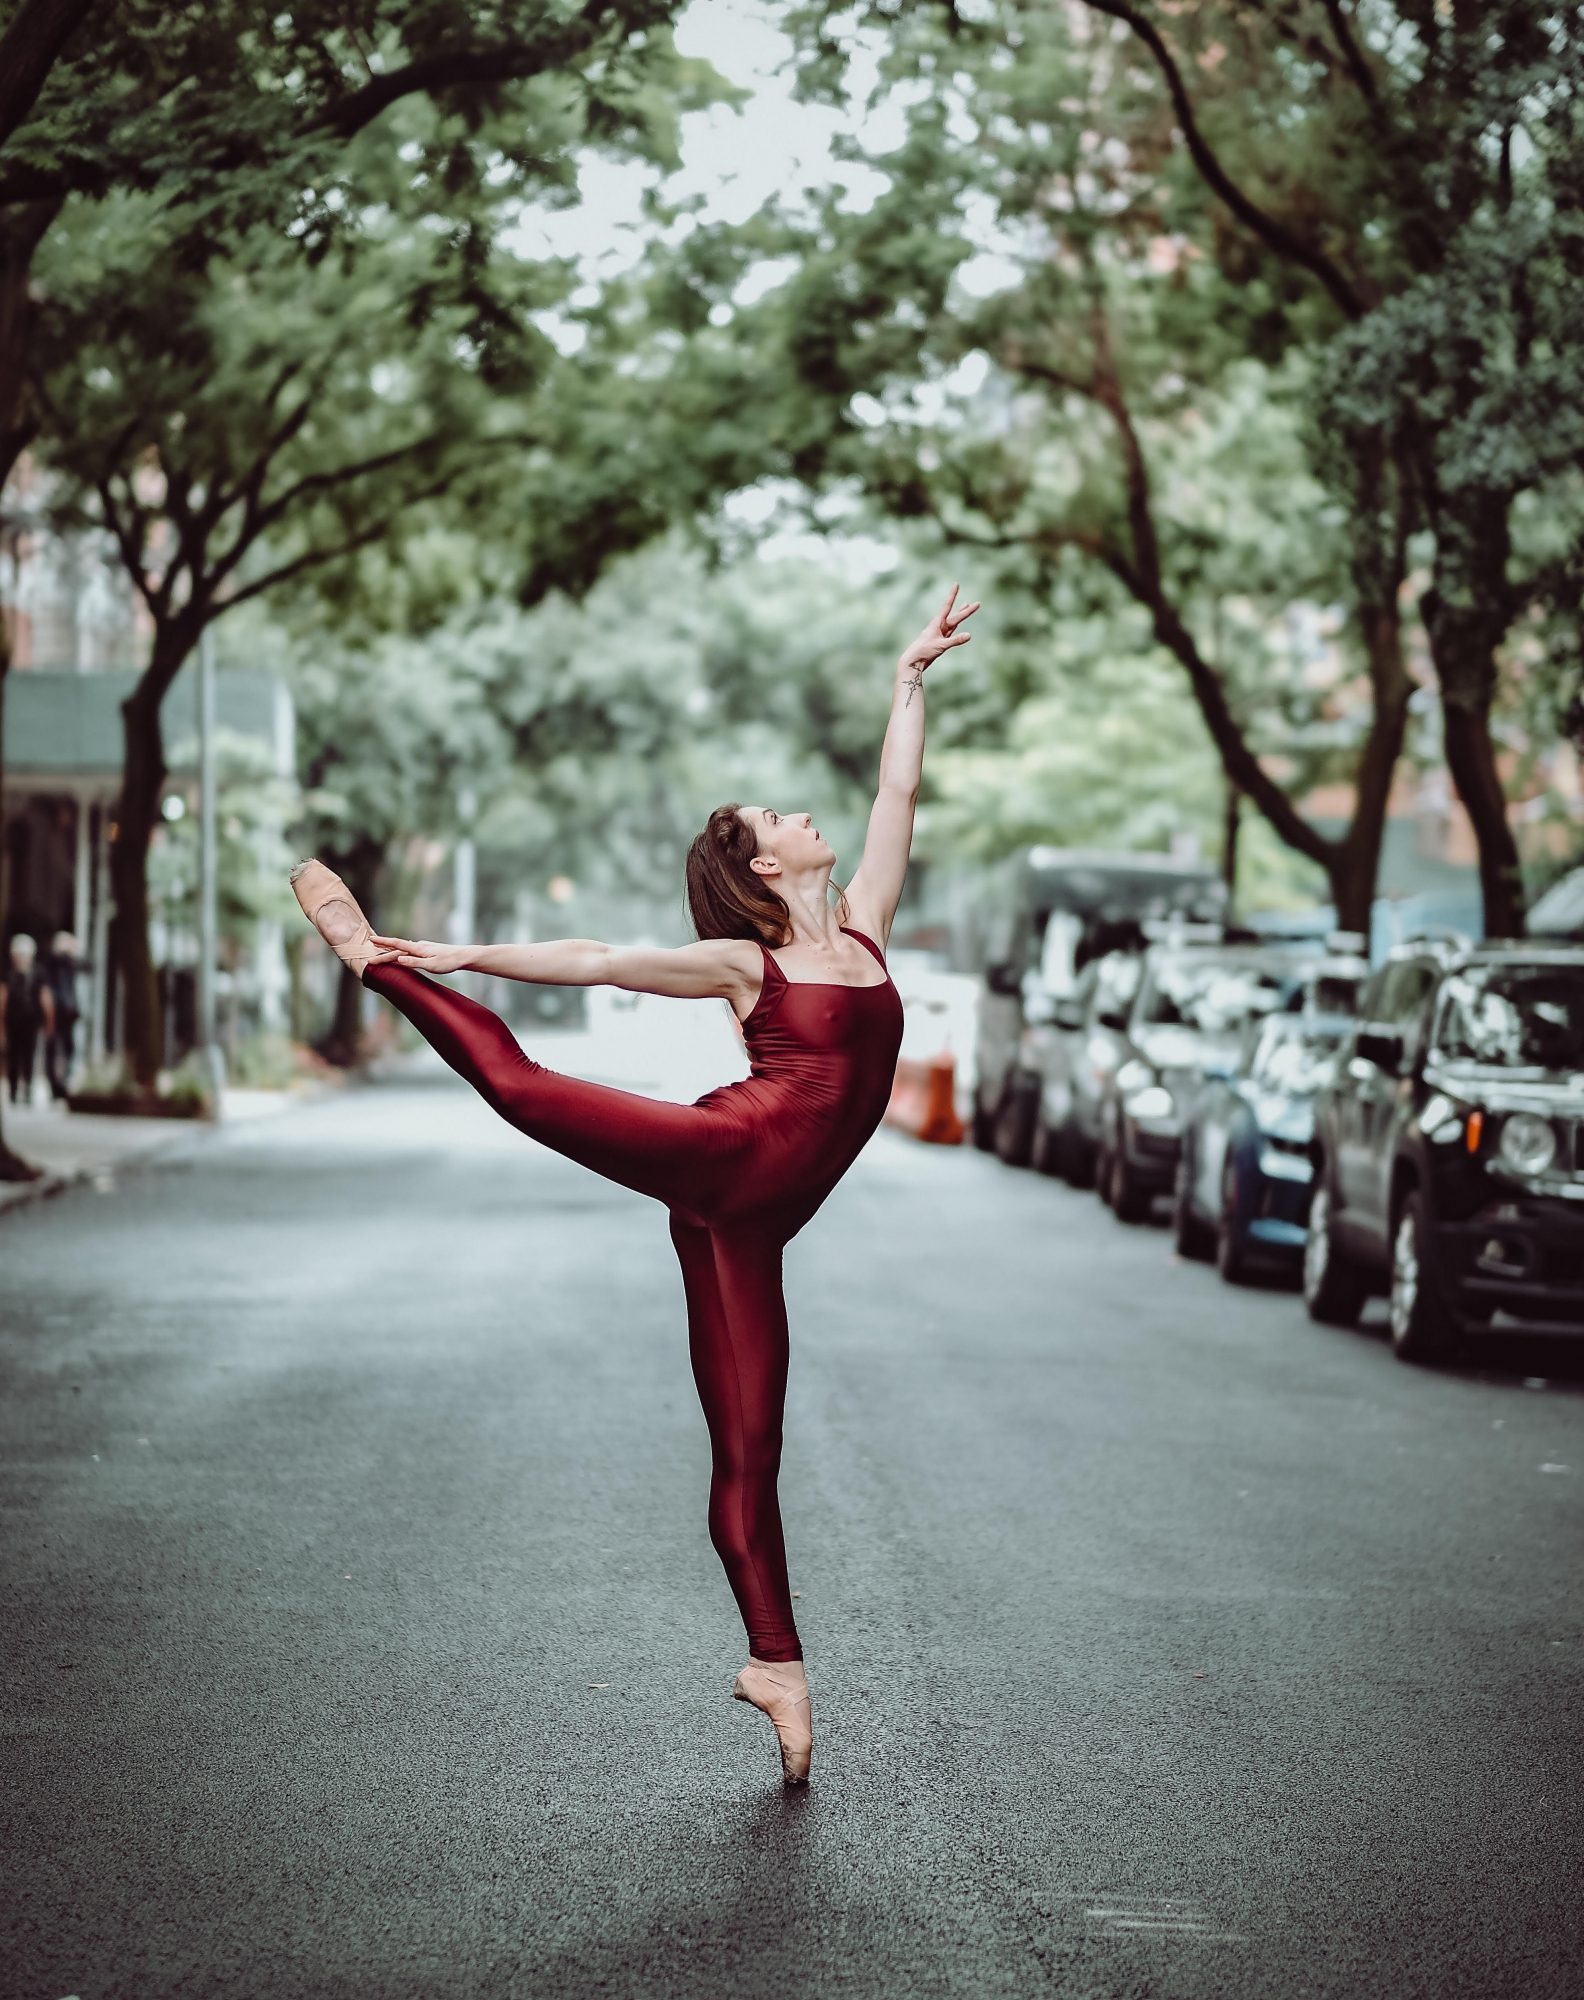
x=915, y=685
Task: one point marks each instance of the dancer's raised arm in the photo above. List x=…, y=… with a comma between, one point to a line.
x=716, y=968
x=876, y=889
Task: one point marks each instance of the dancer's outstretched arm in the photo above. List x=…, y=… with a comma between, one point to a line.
x=715, y=968
x=876, y=889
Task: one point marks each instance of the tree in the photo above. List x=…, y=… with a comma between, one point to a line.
x=234, y=429
x=340, y=357
x=1420, y=166
x=237, y=118
x=1118, y=346
x=1382, y=214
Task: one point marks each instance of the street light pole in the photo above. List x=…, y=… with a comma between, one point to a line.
x=464, y=879
x=208, y=868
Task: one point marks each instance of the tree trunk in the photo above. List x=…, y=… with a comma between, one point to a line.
x=1357, y=865
x=142, y=782
x=1471, y=758
x=358, y=866
x=21, y=227
x=137, y=816
x=12, y=1166
x=38, y=32
x=1231, y=825
x=1466, y=615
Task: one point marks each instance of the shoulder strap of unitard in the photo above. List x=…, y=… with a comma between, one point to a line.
x=867, y=942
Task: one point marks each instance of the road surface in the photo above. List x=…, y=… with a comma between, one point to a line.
x=362, y=1636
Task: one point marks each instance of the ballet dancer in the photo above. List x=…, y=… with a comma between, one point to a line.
x=743, y=1169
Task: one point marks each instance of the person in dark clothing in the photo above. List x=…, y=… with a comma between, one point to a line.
x=29, y=1005
x=60, y=974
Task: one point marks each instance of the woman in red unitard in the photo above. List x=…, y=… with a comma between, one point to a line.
x=743, y=1169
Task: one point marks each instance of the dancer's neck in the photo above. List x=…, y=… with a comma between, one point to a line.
x=808, y=907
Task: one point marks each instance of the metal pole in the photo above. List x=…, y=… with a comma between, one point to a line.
x=208, y=867
x=464, y=882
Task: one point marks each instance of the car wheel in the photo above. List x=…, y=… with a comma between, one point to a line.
x=983, y=1131
x=1129, y=1202
x=1194, y=1239
x=1420, y=1327
x=1014, y=1127
x=1231, y=1250
x=1334, y=1287
x=1078, y=1161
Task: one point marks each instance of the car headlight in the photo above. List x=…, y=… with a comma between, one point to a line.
x=1279, y=1165
x=1528, y=1143
x=1153, y=1102
x=1134, y=1075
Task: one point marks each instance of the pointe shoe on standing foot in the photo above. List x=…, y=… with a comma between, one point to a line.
x=779, y=1688
x=331, y=908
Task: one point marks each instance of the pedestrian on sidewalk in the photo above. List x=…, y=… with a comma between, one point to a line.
x=29, y=1006
x=746, y=1167
x=60, y=975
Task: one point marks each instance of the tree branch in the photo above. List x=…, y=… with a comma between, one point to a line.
x=327, y=482
x=1142, y=578
x=1352, y=54
x=315, y=558
x=131, y=546
x=1275, y=235
x=506, y=63
x=29, y=50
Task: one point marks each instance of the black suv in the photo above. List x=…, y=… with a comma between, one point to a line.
x=1451, y=1150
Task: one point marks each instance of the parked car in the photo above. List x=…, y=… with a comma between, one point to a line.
x=1049, y=912
x=1246, y=1174
x=1067, y=1063
x=1193, y=1004
x=1451, y=1150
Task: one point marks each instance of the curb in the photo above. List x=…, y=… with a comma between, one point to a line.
x=17, y=1195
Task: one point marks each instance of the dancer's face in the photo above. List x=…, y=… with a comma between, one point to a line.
x=789, y=843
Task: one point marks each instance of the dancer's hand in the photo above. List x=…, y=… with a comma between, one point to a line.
x=938, y=636
x=435, y=959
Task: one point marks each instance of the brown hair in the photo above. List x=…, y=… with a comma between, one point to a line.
x=725, y=897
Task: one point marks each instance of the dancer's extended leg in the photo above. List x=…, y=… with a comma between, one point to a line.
x=737, y=1336
x=674, y=1152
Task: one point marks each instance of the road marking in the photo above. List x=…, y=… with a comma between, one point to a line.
x=1158, y=1916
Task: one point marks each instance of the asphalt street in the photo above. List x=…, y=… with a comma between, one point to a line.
x=362, y=1637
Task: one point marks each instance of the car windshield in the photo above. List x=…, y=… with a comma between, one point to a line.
x=1213, y=997
x=1294, y=1059
x=1512, y=1017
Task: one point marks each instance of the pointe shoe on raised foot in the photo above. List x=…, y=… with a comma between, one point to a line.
x=331, y=908
x=779, y=1689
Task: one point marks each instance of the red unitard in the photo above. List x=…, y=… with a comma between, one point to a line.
x=741, y=1172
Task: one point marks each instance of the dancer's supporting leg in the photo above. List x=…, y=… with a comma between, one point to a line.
x=737, y=1336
